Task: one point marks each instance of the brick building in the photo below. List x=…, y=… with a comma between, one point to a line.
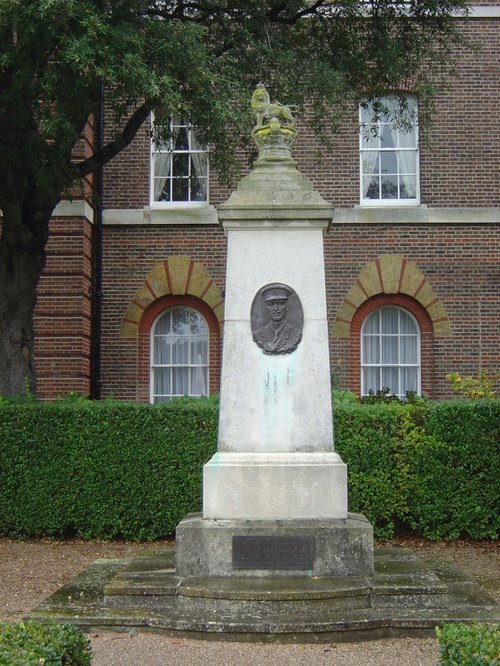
x=131, y=303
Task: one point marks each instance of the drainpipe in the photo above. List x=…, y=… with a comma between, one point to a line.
x=97, y=265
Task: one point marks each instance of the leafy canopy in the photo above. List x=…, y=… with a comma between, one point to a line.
x=199, y=59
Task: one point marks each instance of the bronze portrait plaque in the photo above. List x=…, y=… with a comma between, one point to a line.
x=277, y=319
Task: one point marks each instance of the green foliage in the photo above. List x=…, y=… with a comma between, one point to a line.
x=366, y=438
x=33, y=644
x=200, y=61
x=455, y=469
x=469, y=645
x=476, y=388
x=102, y=469
x=116, y=469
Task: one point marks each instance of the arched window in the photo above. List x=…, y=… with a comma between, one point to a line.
x=390, y=352
x=179, y=354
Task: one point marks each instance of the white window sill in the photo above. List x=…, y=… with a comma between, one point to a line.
x=162, y=215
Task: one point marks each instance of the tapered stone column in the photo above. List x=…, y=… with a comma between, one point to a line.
x=275, y=454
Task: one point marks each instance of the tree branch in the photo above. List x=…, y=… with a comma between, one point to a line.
x=112, y=148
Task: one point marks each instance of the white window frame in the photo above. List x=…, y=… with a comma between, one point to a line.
x=398, y=365
x=155, y=150
x=153, y=365
x=398, y=149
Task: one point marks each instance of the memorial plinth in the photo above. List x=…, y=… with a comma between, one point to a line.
x=275, y=474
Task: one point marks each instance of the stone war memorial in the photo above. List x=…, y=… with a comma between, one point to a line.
x=275, y=553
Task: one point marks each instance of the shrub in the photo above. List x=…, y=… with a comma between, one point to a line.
x=454, y=467
x=35, y=644
x=366, y=437
x=114, y=469
x=475, y=388
x=103, y=469
x=469, y=645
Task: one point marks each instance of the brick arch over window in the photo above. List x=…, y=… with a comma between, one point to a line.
x=426, y=338
x=176, y=276
x=144, y=337
x=388, y=275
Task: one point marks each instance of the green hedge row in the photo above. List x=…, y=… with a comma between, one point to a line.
x=117, y=469
x=32, y=644
x=469, y=645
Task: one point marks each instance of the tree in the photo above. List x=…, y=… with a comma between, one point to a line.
x=195, y=58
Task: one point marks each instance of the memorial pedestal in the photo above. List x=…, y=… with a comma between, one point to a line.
x=274, y=548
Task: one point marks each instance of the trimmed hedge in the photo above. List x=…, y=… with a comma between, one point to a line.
x=116, y=469
x=102, y=469
x=32, y=644
x=469, y=645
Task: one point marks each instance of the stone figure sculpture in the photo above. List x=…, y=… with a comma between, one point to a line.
x=274, y=131
x=267, y=111
x=278, y=336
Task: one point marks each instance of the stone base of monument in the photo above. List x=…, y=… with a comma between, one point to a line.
x=405, y=596
x=274, y=548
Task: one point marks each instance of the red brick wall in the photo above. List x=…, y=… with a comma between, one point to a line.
x=461, y=262
x=459, y=168
x=129, y=254
x=459, y=160
x=62, y=315
x=462, y=265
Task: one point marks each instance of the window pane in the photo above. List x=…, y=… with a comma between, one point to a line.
x=181, y=139
x=408, y=349
x=180, y=351
x=387, y=137
x=370, y=137
x=180, y=165
x=409, y=380
x=390, y=380
x=371, y=349
x=162, y=350
x=370, y=162
x=164, y=324
x=199, y=381
x=390, y=318
x=371, y=188
x=407, y=162
x=198, y=189
x=390, y=349
x=199, y=351
x=408, y=187
x=389, y=187
x=180, y=189
x=388, y=162
x=180, y=381
x=162, y=381
x=406, y=323
x=372, y=324
x=371, y=379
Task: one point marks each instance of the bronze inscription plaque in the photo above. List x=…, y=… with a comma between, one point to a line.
x=273, y=552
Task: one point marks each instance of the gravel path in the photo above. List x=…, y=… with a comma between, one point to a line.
x=31, y=570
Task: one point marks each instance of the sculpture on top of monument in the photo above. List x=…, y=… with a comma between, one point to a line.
x=267, y=111
x=274, y=132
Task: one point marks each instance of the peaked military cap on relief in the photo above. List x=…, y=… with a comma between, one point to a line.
x=276, y=293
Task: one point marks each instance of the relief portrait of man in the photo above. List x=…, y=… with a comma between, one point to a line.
x=282, y=333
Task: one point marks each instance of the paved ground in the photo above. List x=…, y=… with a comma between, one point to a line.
x=31, y=570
